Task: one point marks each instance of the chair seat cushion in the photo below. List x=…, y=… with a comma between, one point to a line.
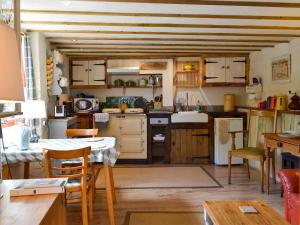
x=251, y=152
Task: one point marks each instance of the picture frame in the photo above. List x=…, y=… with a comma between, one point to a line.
x=281, y=69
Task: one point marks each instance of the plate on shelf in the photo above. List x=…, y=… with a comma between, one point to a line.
x=290, y=134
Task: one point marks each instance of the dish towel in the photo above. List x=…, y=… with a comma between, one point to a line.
x=101, y=117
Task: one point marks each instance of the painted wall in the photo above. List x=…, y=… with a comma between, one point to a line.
x=260, y=65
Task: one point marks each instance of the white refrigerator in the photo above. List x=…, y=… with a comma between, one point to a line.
x=223, y=139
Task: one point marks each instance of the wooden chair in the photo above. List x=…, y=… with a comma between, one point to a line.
x=252, y=153
x=79, y=178
x=72, y=133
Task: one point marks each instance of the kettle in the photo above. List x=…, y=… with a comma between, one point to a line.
x=281, y=102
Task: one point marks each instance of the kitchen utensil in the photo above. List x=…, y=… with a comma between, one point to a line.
x=150, y=105
x=268, y=102
x=140, y=103
x=295, y=103
x=142, y=82
x=130, y=83
x=151, y=80
x=119, y=83
x=229, y=102
x=158, y=80
x=157, y=105
x=281, y=103
x=123, y=106
x=273, y=102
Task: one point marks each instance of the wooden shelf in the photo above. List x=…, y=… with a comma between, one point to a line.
x=155, y=86
x=187, y=72
x=293, y=112
x=223, y=84
x=88, y=87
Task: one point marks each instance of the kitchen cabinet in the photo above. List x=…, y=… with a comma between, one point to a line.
x=131, y=133
x=189, y=145
x=225, y=71
x=84, y=121
x=187, y=74
x=88, y=73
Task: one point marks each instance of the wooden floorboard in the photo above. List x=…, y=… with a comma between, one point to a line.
x=185, y=199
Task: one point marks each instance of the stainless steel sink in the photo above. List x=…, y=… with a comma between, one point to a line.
x=189, y=117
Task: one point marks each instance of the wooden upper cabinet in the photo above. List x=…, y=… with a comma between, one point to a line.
x=215, y=70
x=225, y=71
x=97, y=72
x=187, y=74
x=88, y=74
x=80, y=72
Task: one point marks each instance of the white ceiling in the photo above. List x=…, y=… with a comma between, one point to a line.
x=82, y=26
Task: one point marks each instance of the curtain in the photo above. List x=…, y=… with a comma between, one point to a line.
x=30, y=90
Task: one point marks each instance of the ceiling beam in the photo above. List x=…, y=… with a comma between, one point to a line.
x=164, y=33
x=171, y=15
x=212, y=2
x=174, y=25
x=156, y=49
x=165, y=39
x=75, y=45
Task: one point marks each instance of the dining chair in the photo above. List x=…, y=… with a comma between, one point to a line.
x=253, y=153
x=81, y=133
x=80, y=178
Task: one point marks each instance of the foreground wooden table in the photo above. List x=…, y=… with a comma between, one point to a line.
x=228, y=213
x=31, y=210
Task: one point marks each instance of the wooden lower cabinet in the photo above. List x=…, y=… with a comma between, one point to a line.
x=84, y=121
x=189, y=146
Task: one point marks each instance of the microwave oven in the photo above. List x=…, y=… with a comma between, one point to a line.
x=86, y=104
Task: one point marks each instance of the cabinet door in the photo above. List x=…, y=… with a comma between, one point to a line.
x=132, y=126
x=97, y=71
x=131, y=144
x=236, y=69
x=214, y=70
x=189, y=146
x=84, y=122
x=80, y=73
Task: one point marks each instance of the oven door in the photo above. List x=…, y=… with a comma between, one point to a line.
x=85, y=105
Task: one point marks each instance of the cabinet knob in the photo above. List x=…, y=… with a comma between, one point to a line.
x=159, y=121
x=223, y=67
x=228, y=67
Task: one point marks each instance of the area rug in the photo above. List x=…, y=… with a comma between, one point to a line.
x=160, y=177
x=164, y=218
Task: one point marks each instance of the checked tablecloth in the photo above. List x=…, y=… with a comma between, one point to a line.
x=103, y=149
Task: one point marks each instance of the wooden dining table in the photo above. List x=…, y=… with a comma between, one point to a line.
x=103, y=151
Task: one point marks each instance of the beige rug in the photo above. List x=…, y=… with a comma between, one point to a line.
x=164, y=218
x=160, y=177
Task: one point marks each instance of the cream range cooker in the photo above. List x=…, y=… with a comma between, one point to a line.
x=130, y=129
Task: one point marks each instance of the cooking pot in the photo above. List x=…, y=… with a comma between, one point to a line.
x=142, y=82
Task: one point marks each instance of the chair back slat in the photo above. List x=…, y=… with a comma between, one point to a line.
x=73, y=171
x=72, y=133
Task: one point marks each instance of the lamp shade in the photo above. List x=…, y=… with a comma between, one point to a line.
x=11, y=71
x=33, y=109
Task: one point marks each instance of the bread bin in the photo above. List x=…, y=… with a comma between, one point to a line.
x=229, y=102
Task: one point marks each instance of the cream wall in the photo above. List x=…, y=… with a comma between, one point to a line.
x=260, y=65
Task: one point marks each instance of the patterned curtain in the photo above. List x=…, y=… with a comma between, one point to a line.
x=30, y=91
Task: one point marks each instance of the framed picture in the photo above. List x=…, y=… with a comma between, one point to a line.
x=281, y=69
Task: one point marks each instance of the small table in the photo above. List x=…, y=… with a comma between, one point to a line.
x=228, y=213
x=31, y=210
x=274, y=141
x=103, y=150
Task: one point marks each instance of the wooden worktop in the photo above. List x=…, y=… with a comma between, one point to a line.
x=31, y=210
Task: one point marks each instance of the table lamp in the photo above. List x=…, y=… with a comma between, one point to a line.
x=11, y=74
x=33, y=109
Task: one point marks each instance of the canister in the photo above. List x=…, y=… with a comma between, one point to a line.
x=281, y=103
x=229, y=102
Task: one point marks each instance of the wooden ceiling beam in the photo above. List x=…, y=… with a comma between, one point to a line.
x=167, y=15
x=166, y=39
x=155, y=49
x=173, y=25
x=164, y=33
x=213, y=2
x=75, y=45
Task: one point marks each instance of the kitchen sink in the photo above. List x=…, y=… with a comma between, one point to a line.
x=189, y=117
